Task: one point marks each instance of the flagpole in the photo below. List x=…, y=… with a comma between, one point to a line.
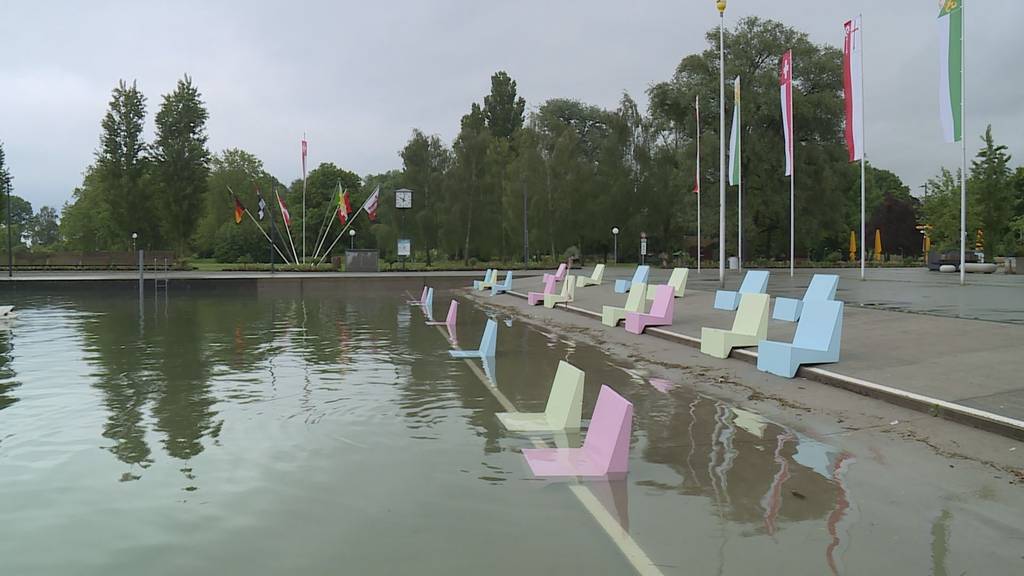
x=739, y=179
x=303, y=199
x=254, y=221
x=320, y=232
x=792, y=177
x=342, y=233
x=286, y=226
x=320, y=241
x=963, y=145
x=721, y=143
x=697, y=106
x=863, y=148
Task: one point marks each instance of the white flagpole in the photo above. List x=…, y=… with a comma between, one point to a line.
x=739, y=178
x=792, y=176
x=304, y=145
x=721, y=145
x=863, y=148
x=286, y=226
x=697, y=177
x=351, y=219
x=330, y=214
x=254, y=221
x=963, y=143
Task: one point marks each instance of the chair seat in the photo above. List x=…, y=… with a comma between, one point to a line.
x=527, y=422
x=727, y=300
x=719, y=343
x=612, y=315
x=622, y=286
x=787, y=309
x=564, y=462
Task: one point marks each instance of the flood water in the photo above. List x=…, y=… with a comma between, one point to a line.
x=320, y=428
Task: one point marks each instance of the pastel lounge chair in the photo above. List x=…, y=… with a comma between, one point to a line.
x=640, y=275
x=488, y=344
x=534, y=298
x=822, y=288
x=605, y=449
x=817, y=339
x=754, y=282
x=612, y=315
x=563, y=410
x=449, y=321
x=660, y=314
x=677, y=280
x=487, y=277
x=748, y=328
x=428, y=304
x=489, y=281
x=422, y=299
x=559, y=274
x=595, y=278
x=504, y=286
x=568, y=293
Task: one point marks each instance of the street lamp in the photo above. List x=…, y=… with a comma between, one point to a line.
x=615, y=240
x=135, y=236
x=352, y=238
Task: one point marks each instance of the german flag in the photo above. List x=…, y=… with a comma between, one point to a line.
x=239, y=209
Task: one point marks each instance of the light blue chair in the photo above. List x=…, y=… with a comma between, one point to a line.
x=822, y=287
x=488, y=344
x=428, y=303
x=754, y=282
x=818, y=334
x=504, y=286
x=640, y=275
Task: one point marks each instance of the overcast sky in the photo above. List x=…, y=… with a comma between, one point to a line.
x=357, y=77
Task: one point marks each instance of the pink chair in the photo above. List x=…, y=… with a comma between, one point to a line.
x=423, y=298
x=449, y=321
x=661, y=311
x=559, y=274
x=605, y=449
x=534, y=298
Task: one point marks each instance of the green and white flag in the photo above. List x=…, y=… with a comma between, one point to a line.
x=951, y=56
x=734, y=139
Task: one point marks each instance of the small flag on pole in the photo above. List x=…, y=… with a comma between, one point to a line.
x=734, y=138
x=696, y=174
x=261, y=204
x=786, y=93
x=951, y=54
x=239, y=209
x=284, y=211
x=371, y=204
x=303, y=157
x=853, y=88
x=344, y=207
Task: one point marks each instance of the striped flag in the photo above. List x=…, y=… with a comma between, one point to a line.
x=853, y=89
x=344, y=206
x=696, y=174
x=786, y=92
x=734, y=138
x=239, y=209
x=371, y=204
x=951, y=56
x=284, y=210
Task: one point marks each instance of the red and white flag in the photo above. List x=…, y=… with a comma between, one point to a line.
x=284, y=210
x=371, y=204
x=303, y=157
x=344, y=207
x=853, y=89
x=696, y=175
x=786, y=91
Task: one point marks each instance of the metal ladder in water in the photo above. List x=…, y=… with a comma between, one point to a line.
x=157, y=281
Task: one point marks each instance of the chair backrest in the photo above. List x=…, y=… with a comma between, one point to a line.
x=428, y=302
x=636, y=296
x=423, y=295
x=560, y=273
x=565, y=402
x=754, y=282
x=598, y=273
x=678, y=278
x=489, y=341
x=820, y=325
x=549, y=285
x=663, y=298
x=487, y=275
x=610, y=428
x=822, y=287
x=453, y=312
x=565, y=286
x=751, y=315
x=508, y=280
x=570, y=283
x=641, y=274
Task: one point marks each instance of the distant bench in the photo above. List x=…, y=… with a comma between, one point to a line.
x=89, y=260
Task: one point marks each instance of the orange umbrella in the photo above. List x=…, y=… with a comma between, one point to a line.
x=853, y=246
x=878, y=245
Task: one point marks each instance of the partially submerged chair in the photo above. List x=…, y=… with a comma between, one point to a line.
x=534, y=298
x=449, y=321
x=611, y=315
x=563, y=410
x=748, y=328
x=6, y=312
x=595, y=278
x=428, y=303
x=817, y=339
x=754, y=282
x=477, y=283
x=488, y=344
x=639, y=275
x=605, y=449
x=490, y=279
x=559, y=274
x=422, y=299
x=677, y=280
x=822, y=288
x=568, y=293
x=504, y=286
x=660, y=314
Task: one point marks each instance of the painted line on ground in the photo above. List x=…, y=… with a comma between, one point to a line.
x=975, y=417
x=634, y=554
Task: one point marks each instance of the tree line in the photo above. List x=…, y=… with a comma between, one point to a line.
x=554, y=181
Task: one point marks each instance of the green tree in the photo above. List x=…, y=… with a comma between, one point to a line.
x=243, y=172
x=940, y=209
x=425, y=161
x=991, y=194
x=86, y=223
x=503, y=109
x=45, y=230
x=181, y=163
x=322, y=185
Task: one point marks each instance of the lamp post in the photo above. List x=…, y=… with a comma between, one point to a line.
x=615, y=242
x=720, y=4
x=352, y=238
x=135, y=236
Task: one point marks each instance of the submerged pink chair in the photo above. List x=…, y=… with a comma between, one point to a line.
x=605, y=449
x=449, y=321
x=661, y=311
x=534, y=298
x=559, y=274
x=423, y=298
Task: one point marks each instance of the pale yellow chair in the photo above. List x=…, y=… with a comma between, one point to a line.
x=563, y=410
x=594, y=279
x=612, y=315
x=567, y=295
x=677, y=280
x=748, y=328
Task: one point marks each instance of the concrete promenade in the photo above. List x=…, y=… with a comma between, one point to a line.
x=962, y=369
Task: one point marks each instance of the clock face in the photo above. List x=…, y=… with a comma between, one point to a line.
x=403, y=199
